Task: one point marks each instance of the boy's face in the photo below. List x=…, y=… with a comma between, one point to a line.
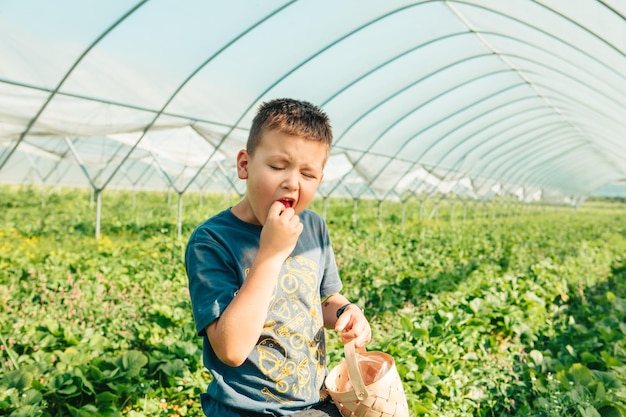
x=284, y=168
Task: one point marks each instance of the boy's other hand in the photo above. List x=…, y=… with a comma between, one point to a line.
x=281, y=229
x=354, y=326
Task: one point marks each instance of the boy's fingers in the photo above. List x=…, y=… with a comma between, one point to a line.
x=359, y=332
x=348, y=336
x=275, y=209
x=341, y=323
x=360, y=339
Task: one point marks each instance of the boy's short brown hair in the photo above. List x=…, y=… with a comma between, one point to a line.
x=291, y=117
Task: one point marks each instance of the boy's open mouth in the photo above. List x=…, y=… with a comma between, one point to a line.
x=287, y=202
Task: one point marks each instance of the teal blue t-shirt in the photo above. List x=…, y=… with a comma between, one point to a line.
x=286, y=369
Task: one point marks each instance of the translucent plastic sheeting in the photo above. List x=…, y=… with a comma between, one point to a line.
x=471, y=98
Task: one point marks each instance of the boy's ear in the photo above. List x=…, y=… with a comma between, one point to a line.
x=242, y=164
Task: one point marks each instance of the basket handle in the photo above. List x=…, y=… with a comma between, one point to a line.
x=353, y=370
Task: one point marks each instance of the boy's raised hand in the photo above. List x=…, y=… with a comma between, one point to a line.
x=281, y=230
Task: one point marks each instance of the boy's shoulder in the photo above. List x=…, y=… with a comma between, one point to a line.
x=313, y=222
x=312, y=216
x=221, y=220
x=220, y=217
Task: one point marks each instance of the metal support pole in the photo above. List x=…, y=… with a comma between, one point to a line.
x=98, y=211
x=179, y=228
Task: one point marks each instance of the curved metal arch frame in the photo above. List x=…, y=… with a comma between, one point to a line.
x=404, y=89
x=464, y=156
x=474, y=135
x=317, y=53
x=466, y=173
x=548, y=34
x=34, y=119
x=415, y=109
x=391, y=60
x=552, y=36
x=525, y=158
x=148, y=127
x=417, y=160
x=581, y=104
x=545, y=66
x=167, y=102
x=326, y=101
x=481, y=172
x=196, y=71
x=612, y=9
x=565, y=119
x=566, y=77
x=511, y=154
x=291, y=71
x=590, y=32
x=502, y=181
x=538, y=174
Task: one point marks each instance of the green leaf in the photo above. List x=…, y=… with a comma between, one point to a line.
x=68, y=389
x=589, y=411
x=610, y=411
x=476, y=305
x=419, y=410
x=608, y=379
x=419, y=333
x=172, y=368
x=106, y=397
x=571, y=350
x=580, y=374
x=609, y=360
x=32, y=397
x=536, y=356
x=17, y=379
x=588, y=357
x=88, y=410
x=27, y=411
x=601, y=396
x=133, y=361
x=406, y=323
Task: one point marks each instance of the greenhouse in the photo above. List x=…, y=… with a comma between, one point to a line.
x=473, y=98
x=486, y=105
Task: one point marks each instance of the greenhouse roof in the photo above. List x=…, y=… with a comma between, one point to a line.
x=468, y=97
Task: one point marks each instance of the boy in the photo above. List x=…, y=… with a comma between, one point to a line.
x=262, y=274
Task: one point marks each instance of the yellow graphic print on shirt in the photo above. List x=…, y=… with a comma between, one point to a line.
x=291, y=352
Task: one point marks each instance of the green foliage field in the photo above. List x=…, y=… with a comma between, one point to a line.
x=514, y=311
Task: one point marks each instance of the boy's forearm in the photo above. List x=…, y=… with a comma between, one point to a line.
x=330, y=307
x=235, y=333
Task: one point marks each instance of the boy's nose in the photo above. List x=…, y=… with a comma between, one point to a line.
x=290, y=181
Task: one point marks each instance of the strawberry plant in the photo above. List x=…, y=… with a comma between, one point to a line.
x=498, y=314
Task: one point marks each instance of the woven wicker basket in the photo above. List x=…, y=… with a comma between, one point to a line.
x=359, y=390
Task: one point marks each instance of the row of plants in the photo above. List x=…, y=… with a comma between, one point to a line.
x=527, y=319
x=93, y=328
x=518, y=315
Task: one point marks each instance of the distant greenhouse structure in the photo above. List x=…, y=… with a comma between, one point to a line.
x=466, y=98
